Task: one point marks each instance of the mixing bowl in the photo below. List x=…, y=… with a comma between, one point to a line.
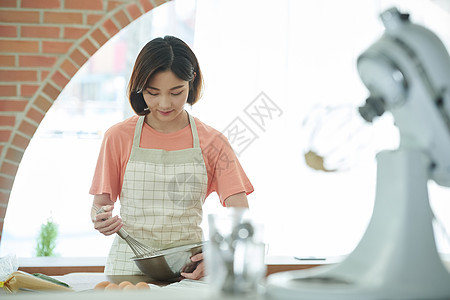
x=167, y=264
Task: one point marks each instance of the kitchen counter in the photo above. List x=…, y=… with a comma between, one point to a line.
x=82, y=274
x=87, y=280
x=83, y=284
x=55, y=266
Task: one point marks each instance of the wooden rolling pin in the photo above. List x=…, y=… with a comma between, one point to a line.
x=22, y=280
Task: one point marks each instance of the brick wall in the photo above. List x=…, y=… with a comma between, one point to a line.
x=43, y=43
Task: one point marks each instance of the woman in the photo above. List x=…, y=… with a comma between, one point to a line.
x=163, y=163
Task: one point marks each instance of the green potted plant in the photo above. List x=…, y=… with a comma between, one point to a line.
x=46, y=241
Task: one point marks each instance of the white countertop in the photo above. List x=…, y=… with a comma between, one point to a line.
x=186, y=289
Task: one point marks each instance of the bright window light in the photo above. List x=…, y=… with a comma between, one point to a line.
x=286, y=71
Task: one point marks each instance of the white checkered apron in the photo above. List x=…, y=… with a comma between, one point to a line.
x=161, y=200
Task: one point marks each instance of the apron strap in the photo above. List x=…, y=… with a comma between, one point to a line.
x=140, y=124
x=196, y=141
x=137, y=132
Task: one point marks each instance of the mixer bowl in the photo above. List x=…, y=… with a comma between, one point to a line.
x=167, y=264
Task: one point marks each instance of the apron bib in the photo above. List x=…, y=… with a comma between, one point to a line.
x=161, y=200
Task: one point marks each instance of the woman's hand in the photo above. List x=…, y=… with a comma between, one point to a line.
x=199, y=272
x=104, y=222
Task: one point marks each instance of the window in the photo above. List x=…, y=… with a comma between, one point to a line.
x=297, y=57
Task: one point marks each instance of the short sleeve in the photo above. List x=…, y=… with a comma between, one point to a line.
x=225, y=174
x=107, y=175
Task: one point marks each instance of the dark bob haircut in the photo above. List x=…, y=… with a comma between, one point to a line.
x=164, y=54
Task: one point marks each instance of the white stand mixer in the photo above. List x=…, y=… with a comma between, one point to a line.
x=407, y=72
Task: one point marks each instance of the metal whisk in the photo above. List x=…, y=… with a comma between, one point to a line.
x=139, y=249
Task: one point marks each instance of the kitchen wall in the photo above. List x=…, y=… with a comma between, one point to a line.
x=42, y=45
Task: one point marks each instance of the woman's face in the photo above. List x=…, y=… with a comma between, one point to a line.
x=165, y=96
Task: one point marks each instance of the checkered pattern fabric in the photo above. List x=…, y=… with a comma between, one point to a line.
x=161, y=200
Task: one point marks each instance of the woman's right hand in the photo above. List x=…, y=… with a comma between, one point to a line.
x=101, y=214
x=105, y=223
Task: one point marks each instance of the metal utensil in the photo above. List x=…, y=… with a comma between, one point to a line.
x=167, y=264
x=139, y=249
x=237, y=243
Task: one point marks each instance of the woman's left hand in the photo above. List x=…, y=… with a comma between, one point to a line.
x=199, y=272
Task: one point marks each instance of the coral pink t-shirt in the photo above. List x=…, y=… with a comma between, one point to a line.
x=225, y=174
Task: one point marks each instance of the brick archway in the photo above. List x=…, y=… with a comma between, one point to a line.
x=42, y=45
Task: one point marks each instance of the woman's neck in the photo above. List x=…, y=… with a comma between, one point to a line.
x=178, y=123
